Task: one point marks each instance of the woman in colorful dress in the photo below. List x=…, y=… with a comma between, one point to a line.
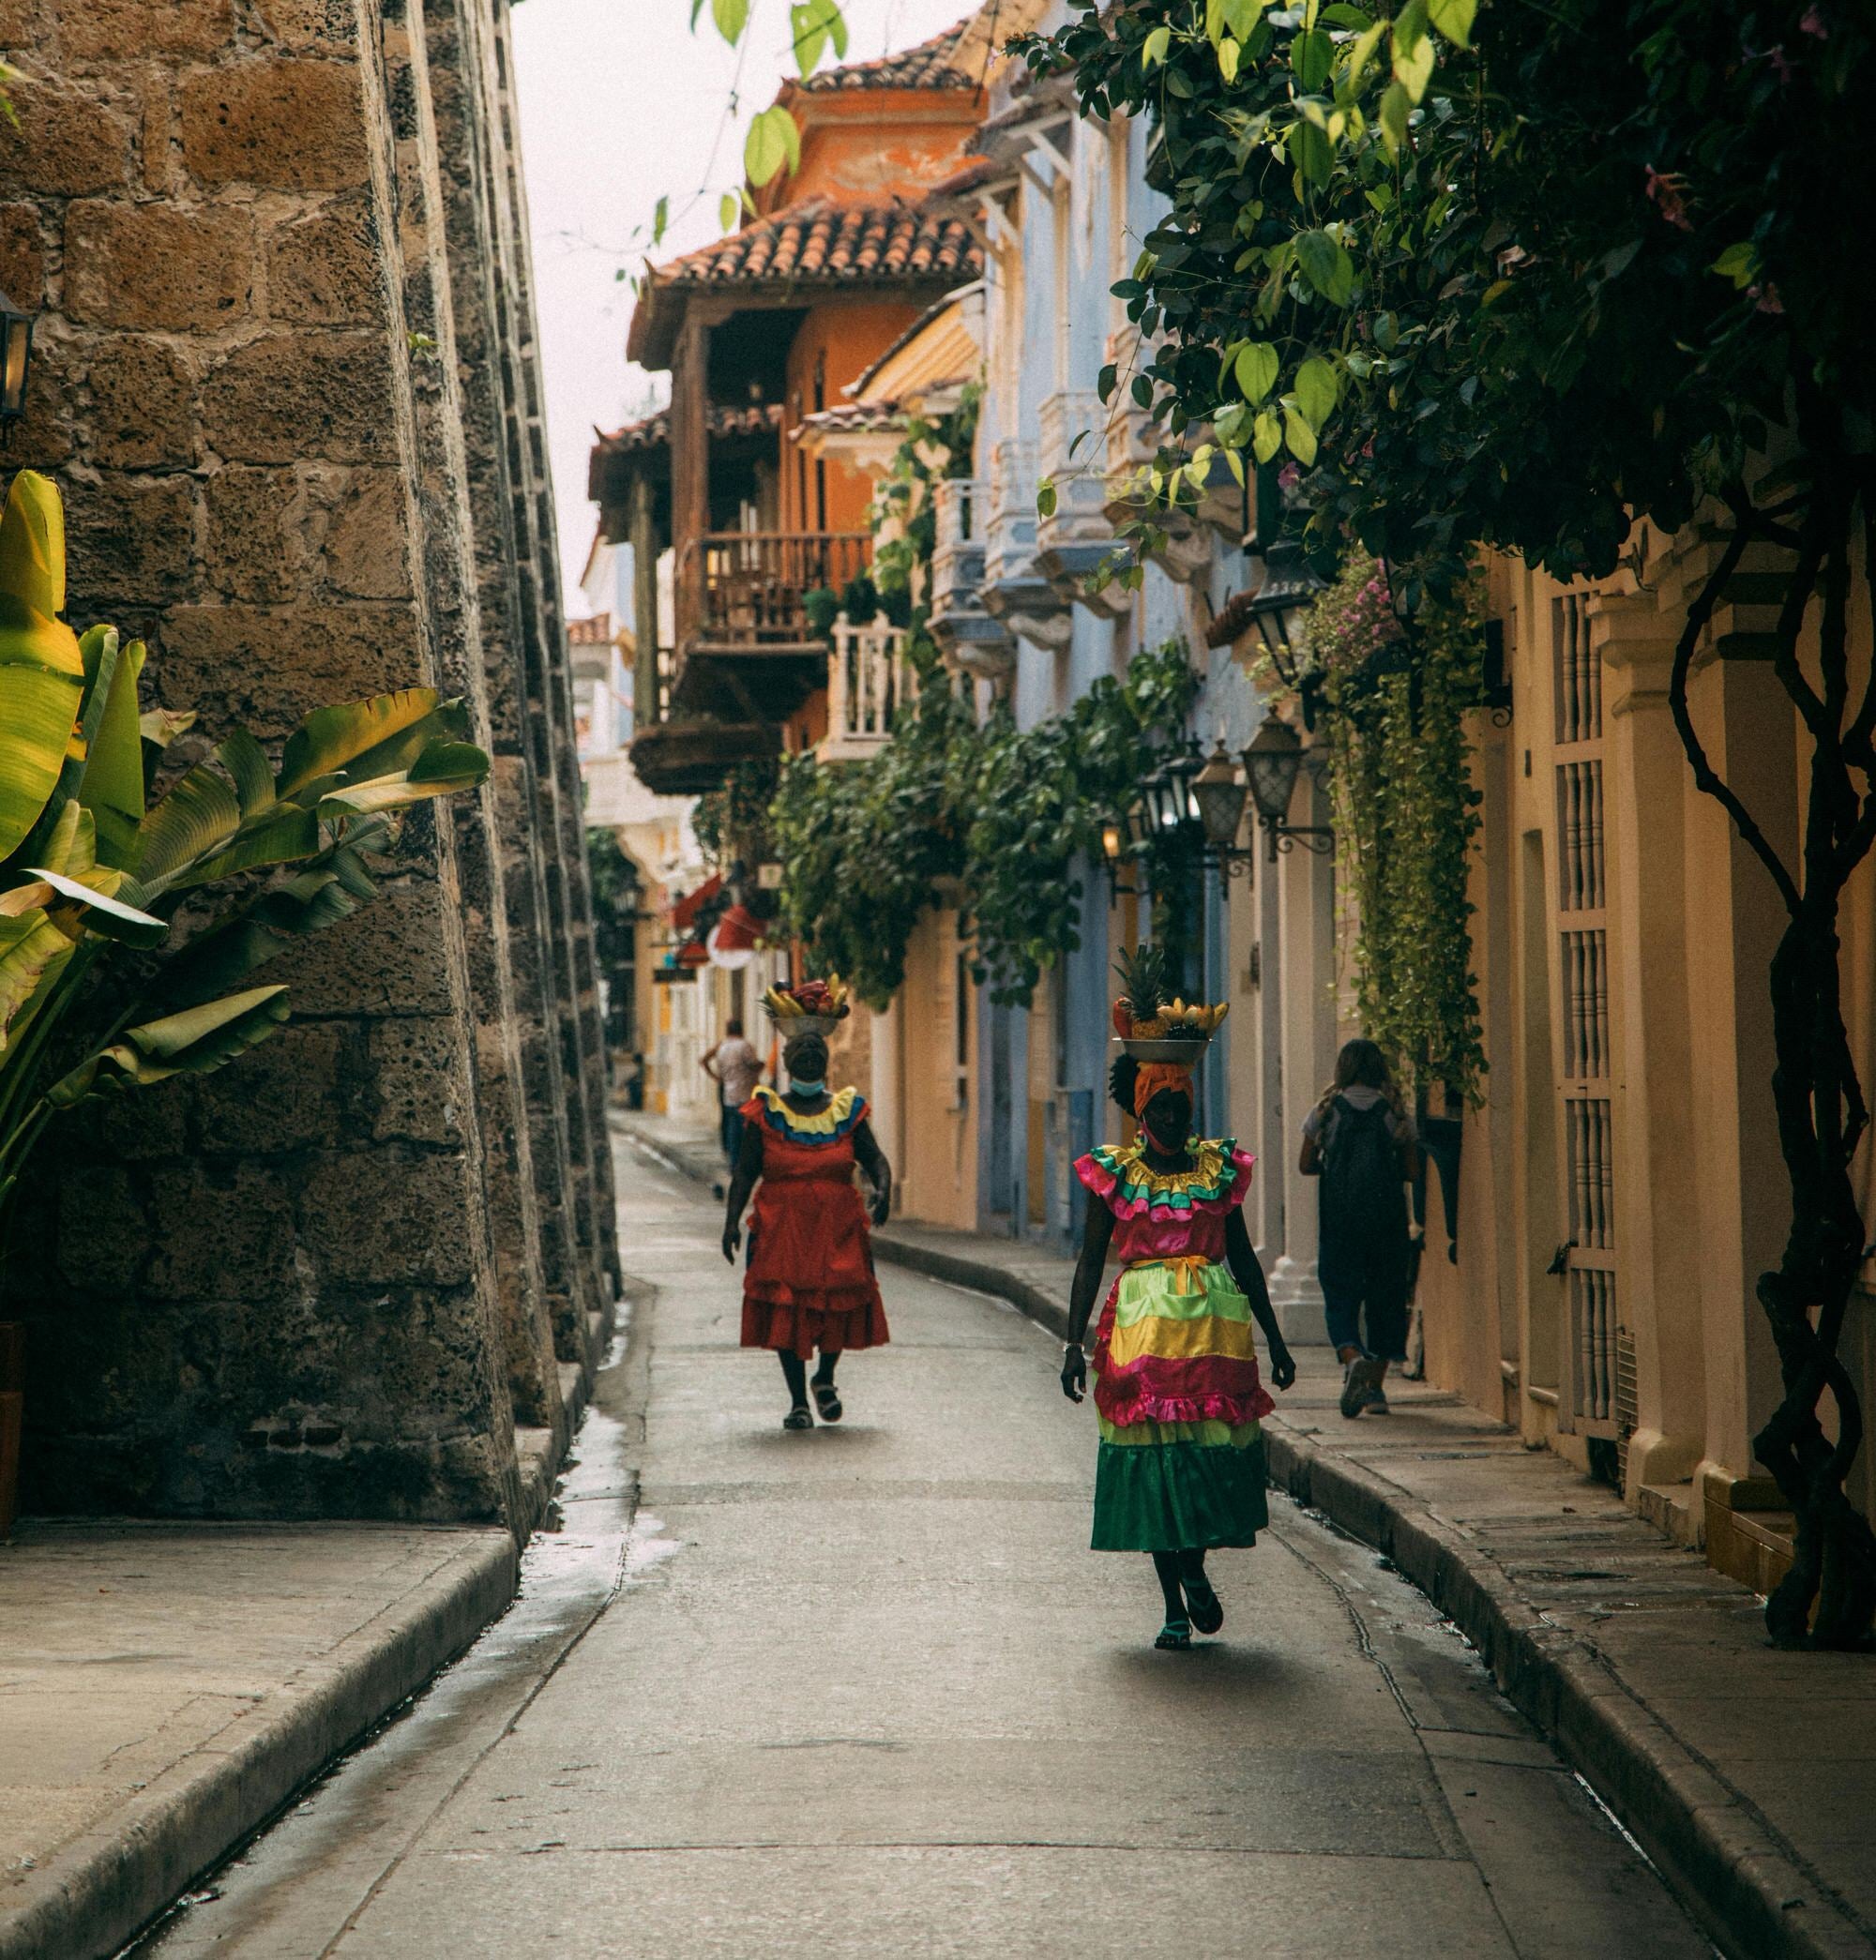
x=809, y=1282
x=1181, y=1464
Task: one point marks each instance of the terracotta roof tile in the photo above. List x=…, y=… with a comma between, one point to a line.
x=930, y=65
x=852, y=417
x=819, y=241
x=654, y=431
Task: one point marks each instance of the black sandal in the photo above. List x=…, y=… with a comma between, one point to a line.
x=799, y=1417
x=827, y=1400
x=1175, y=1637
x=1206, y=1608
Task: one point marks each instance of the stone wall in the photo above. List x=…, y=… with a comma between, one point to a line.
x=286, y=380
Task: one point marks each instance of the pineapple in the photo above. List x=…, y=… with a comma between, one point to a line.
x=1142, y=979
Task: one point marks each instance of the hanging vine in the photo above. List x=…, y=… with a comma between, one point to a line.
x=1405, y=815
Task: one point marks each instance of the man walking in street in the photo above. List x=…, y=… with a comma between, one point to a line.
x=736, y=1068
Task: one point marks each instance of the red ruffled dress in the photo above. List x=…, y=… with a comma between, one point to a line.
x=809, y=1282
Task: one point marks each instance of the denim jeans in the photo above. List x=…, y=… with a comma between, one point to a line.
x=1370, y=1277
x=732, y=1132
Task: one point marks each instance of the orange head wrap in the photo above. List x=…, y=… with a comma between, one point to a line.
x=1156, y=1075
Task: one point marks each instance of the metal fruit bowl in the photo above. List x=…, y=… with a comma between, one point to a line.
x=1184, y=1053
x=788, y=1026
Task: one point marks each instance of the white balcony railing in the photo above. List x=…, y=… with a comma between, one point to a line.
x=971, y=641
x=868, y=680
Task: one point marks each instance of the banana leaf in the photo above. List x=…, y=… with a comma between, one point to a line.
x=330, y=738
x=195, y=1042
x=111, y=786
x=42, y=674
x=32, y=950
x=104, y=912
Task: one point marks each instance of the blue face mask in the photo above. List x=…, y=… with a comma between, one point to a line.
x=801, y=1088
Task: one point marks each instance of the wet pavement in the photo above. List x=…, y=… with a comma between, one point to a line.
x=865, y=1689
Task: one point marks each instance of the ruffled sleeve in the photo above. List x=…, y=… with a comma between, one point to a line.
x=1097, y=1171
x=1241, y=1164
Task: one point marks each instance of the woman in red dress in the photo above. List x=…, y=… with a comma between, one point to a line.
x=810, y=1283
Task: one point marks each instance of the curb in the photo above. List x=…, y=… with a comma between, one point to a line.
x=1741, y=1885
x=99, y=1892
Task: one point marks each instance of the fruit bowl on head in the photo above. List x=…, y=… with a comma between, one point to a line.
x=1187, y=1054
x=821, y=1024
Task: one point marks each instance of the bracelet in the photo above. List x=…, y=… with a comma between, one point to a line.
x=1075, y=1345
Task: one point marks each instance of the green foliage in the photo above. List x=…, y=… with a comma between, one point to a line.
x=1040, y=797
x=732, y=822
x=1002, y=811
x=862, y=844
x=1507, y=279
x=1405, y=814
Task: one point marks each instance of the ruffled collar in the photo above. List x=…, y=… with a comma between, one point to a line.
x=842, y=1112
x=1213, y=1177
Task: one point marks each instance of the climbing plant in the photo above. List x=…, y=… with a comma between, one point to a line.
x=862, y=844
x=1405, y=816
x=732, y=823
x=1040, y=797
x=904, y=512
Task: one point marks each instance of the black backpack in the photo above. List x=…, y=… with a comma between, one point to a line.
x=1362, y=1196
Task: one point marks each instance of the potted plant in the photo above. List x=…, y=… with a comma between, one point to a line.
x=100, y=991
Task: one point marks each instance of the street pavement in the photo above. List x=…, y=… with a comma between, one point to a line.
x=866, y=1691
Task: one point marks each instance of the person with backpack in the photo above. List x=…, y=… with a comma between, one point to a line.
x=1361, y=1143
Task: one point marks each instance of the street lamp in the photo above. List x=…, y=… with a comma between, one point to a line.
x=1221, y=797
x=16, y=358
x=1270, y=766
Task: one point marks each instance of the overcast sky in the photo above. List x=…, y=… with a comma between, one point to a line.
x=619, y=105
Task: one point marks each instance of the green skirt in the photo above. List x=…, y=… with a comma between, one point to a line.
x=1174, y=1486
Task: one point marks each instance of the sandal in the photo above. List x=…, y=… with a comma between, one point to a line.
x=1175, y=1637
x=799, y=1417
x=827, y=1400
x=1207, y=1609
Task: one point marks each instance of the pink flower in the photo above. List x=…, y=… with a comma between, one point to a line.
x=1289, y=476
x=1768, y=298
x=1668, y=192
x=1813, y=25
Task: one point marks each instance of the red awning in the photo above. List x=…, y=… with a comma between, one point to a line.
x=684, y=913
x=693, y=953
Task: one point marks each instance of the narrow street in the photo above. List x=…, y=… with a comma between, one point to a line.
x=864, y=1691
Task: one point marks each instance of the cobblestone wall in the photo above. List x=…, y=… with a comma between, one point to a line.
x=286, y=381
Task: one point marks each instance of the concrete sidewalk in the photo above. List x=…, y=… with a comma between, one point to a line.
x=1747, y=1774
x=164, y=1688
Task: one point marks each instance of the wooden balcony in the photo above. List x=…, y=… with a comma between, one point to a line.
x=742, y=590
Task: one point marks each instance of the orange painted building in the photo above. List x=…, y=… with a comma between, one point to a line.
x=760, y=331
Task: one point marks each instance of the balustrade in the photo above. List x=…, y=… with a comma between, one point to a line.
x=745, y=588
x=868, y=681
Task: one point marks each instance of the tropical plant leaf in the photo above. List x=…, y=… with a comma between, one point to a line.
x=32, y=949
x=246, y=762
x=194, y=1042
x=38, y=706
x=330, y=738
x=442, y=770
x=104, y=912
x=447, y=721
x=276, y=836
x=111, y=784
x=197, y=816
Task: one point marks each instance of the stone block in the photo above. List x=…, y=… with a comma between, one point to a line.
x=155, y=266
x=104, y=30
x=23, y=259
x=102, y=1227
x=290, y=396
x=388, y=1217
x=281, y=124
x=219, y=1232
x=142, y=403
x=366, y=551
x=68, y=140
x=418, y=1081
x=286, y=1095
x=327, y=269
x=43, y=440
x=311, y=26
x=131, y=539
x=391, y=957
x=153, y=1123
x=255, y=547
x=267, y=670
